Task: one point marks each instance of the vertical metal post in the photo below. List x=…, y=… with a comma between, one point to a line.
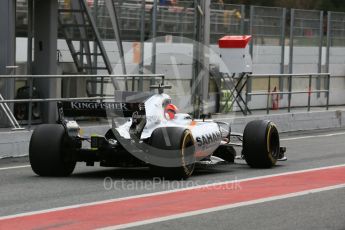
x=7, y=49
x=133, y=83
x=282, y=58
x=329, y=20
x=102, y=86
x=195, y=66
x=247, y=92
x=251, y=44
x=292, y=24
x=319, y=69
x=142, y=44
x=95, y=51
x=328, y=88
x=309, y=92
x=81, y=51
x=45, y=53
x=154, y=34
x=282, y=42
x=268, y=95
x=251, y=24
x=290, y=90
x=95, y=48
x=320, y=43
x=329, y=43
x=30, y=103
x=243, y=8
x=29, y=57
x=205, y=57
x=30, y=36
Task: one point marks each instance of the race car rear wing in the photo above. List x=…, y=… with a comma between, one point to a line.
x=99, y=109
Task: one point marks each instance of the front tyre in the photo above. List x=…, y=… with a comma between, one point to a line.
x=50, y=151
x=261, y=144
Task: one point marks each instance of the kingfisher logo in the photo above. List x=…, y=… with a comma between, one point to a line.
x=209, y=138
x=96, y=105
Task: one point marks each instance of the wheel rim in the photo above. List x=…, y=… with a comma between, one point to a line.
x=273, y=143
x=187, y=152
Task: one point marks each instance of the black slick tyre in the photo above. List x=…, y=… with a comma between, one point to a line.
x=174, y=147
x=50, y=151
x=261, y=144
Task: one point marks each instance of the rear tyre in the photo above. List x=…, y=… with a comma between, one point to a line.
x=177, y=154
x=261, y=144
x=50, y=151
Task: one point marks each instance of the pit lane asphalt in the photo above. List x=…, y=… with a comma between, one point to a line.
x=23, y=191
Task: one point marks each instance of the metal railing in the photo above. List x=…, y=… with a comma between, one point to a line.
x=335, y=39
x=227, y=20
x=9, y=115
x=336, y=28
x=290, y=92
x=30, y=100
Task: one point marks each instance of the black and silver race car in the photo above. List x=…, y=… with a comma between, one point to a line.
x=149, y=131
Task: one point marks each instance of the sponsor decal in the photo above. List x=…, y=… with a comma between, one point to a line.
x=101, y=109
x=96, y=105
x=209, y=138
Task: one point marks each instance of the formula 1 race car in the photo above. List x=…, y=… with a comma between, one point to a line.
x=147, y=131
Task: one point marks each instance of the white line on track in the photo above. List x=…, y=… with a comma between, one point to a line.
x=221, y=208
x=312, y=136
x=164, y=192
x=15, y=167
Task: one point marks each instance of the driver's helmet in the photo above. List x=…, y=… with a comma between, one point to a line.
x=170, y=111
